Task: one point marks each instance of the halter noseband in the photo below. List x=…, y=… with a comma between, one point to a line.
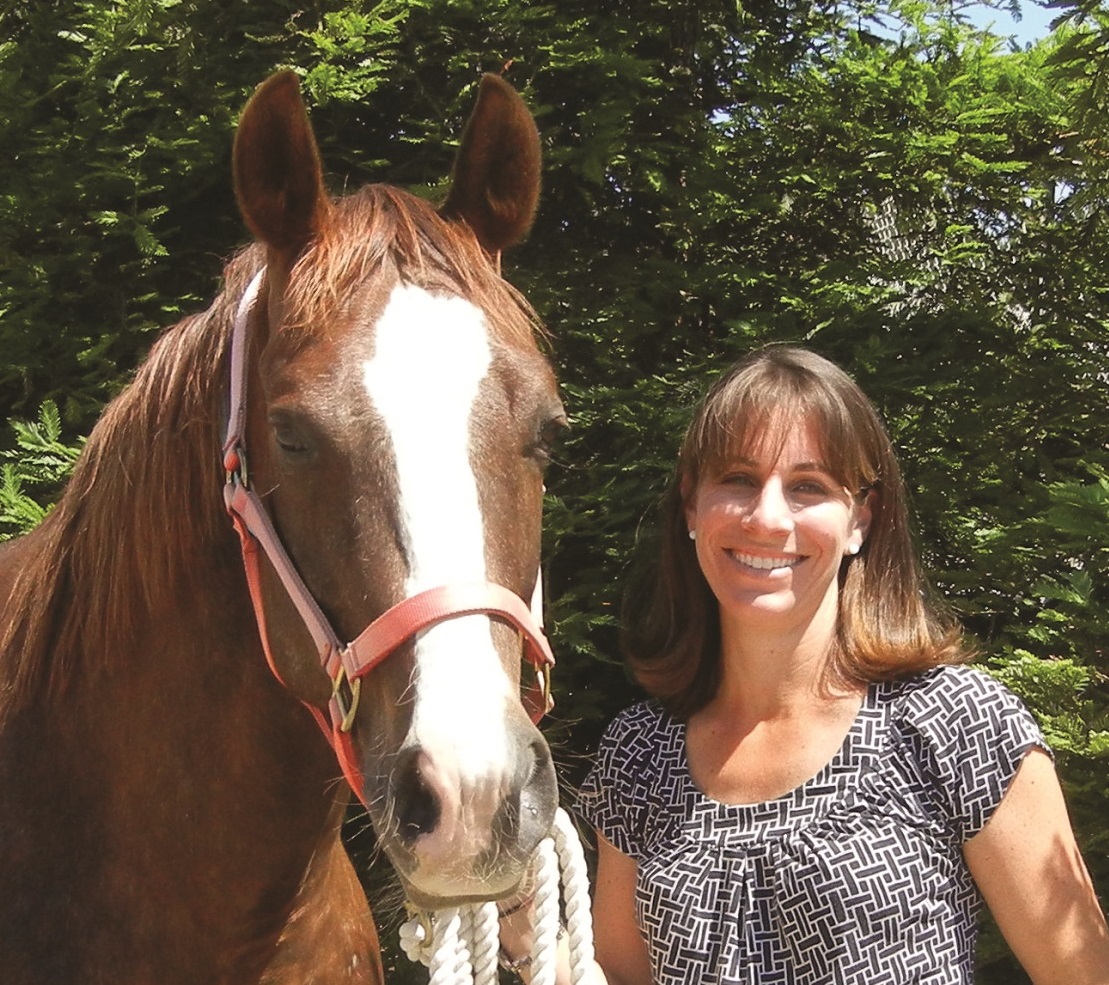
x=346, y=664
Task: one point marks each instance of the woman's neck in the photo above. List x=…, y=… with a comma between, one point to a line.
x=775, y=670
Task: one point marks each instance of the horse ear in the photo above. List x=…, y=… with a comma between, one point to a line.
x=495, y=185
x=276, y=166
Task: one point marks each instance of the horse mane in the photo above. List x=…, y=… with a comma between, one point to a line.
x=140, y=507
x=141, y=521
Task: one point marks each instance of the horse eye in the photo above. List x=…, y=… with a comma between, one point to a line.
x=289, y=443
x=290, y=439
x=549, y=434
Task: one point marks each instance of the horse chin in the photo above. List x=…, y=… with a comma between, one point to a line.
x=434, y=885
x=439, y=897
x=476, y=850
x=437, y=883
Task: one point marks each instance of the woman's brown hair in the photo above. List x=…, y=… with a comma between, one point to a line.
x=886, y=624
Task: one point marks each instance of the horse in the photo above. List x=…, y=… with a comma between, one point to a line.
x=187, y=698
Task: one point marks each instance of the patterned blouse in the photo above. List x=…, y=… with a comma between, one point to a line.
x=854, y=878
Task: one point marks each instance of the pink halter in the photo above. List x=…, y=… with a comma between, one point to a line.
x=346, y=664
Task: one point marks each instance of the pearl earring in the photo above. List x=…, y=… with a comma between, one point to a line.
x=692, y=534
x=853, y=549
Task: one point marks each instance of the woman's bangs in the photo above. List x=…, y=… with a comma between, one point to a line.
x=753, y=430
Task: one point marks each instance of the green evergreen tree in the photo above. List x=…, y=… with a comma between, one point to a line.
x=878, y=180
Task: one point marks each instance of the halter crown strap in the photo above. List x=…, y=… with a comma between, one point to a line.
x=235, y=436
x=345, y=665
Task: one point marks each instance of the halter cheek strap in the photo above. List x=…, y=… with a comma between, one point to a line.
x=345, y=665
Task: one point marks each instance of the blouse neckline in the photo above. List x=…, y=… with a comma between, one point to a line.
x=820, y=778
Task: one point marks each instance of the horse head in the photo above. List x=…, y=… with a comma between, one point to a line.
x=398, y=416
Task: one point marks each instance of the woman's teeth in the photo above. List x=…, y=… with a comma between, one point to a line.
x=764, y=563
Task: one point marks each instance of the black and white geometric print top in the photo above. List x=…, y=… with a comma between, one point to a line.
x=854, y=878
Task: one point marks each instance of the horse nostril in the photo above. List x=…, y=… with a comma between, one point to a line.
x=525, y=817
x=417, y=806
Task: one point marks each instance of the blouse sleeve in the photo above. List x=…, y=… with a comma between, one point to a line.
x=613, y=796
x=975, y=733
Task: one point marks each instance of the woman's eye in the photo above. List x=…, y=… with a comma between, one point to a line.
x=744, y=480
x=811, y=488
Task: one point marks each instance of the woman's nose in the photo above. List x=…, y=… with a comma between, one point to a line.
x=770, y=509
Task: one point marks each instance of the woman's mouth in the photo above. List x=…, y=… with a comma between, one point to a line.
x=766, y=562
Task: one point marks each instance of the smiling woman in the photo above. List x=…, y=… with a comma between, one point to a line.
x=788, y=408
x=818, y=793
x=771, y=534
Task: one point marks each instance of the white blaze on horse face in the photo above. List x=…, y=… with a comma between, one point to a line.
x=431, y=355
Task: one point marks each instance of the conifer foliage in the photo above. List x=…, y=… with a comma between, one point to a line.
x=908, y=195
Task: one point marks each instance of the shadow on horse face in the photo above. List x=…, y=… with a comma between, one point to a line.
x=398, y=427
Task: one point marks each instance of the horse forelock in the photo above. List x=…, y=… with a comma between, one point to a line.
x=381, y=226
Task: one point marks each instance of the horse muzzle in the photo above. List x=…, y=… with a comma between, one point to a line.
x=460, y=824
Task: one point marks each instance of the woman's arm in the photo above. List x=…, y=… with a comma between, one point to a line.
x=1031, y=874
x=620, y=947
x=620, y=951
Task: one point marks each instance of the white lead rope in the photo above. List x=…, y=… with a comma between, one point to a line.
x=460, y=944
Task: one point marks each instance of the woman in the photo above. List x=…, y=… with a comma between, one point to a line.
x=819, y=793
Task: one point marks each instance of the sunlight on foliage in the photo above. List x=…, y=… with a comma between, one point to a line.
x=34, y=470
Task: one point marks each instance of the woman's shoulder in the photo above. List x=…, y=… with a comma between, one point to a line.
x=640, y=731
x=947, y=679
x=967, y=734
x=633, y=775
x=951, y=697
x=643, y=718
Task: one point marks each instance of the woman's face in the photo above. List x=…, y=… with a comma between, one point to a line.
x=771, y=535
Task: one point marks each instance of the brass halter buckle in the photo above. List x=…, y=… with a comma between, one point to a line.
x=347, y=703
x=544, y=675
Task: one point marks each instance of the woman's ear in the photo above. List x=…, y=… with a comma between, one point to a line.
x=864, y=515
x=687, y=496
